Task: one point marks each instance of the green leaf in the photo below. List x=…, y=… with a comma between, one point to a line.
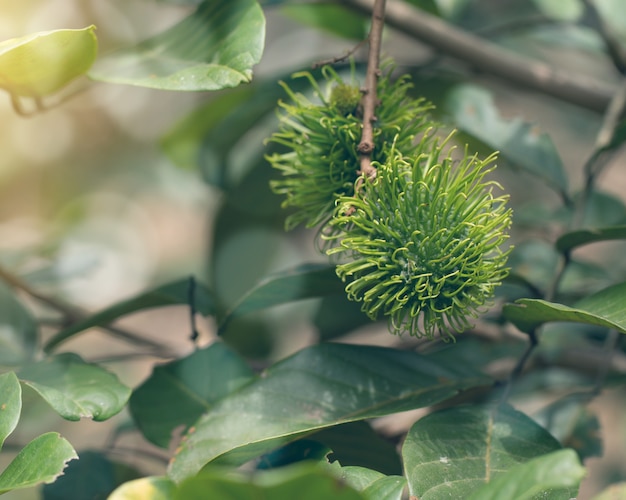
x=304, y=482
x=452, y=452
x=214, y=48
x=571, y=240
x=10, y=404
x=41, y=63
x=554, y=476
x=604, y=308
x=335, y=19
x=474, y=112
x=146, y=488
x=174, y=293
x=344, y=383
x=40, y=461
x=373, y=484
x=302, y=282
x=178, y=393
x=76, y=389
x=94, y=476
x=18, y=330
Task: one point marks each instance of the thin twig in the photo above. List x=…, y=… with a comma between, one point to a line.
x=338, y=59
x=369, y=100
x=614, y=47
x=72, y=314
x=602, y=153
x=489, y=58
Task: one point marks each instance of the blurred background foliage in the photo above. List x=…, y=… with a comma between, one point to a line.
x=121, y=187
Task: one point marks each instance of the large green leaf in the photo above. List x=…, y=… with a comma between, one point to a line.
x=318, y=387
x=76, y=389
x=39, y=64
x=40, y=461
x=18, y=330
x=303, y=282
x=174, y=293
x=178, y=393
x=571, y=240
x=146, y=488
x=450, y=453
x=214, y=48
x=556, y=475
x=604, y=308
x=10, y=404
x=304, y=482
x=474, y=112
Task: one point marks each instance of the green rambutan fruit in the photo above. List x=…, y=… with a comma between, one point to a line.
x=421, y=243
x=320, y=162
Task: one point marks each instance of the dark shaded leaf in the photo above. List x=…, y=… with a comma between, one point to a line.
x=93, y=476
x=178, y=393
x=303, y=282
x=357, y=444
x=344, y=383
x=174, y=293
x=214, y=48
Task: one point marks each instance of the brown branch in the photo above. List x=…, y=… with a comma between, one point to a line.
x=72, y=314
x=338, y=59
x=369, y=99
x=492, y=59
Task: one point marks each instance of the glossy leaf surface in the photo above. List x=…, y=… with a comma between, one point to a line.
x=450, y=453
x=178, y=393
x=604, y=308
x=214, y=48
x=554, y=476
x=574, y=239
x=75, y=389
x=344, y=383
x=174, y=293
x=40, y=461
x=40, y=64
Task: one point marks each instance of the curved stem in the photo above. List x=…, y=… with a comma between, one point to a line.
x=370, y=100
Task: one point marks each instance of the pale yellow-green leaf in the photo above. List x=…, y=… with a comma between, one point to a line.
x=40, y=64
